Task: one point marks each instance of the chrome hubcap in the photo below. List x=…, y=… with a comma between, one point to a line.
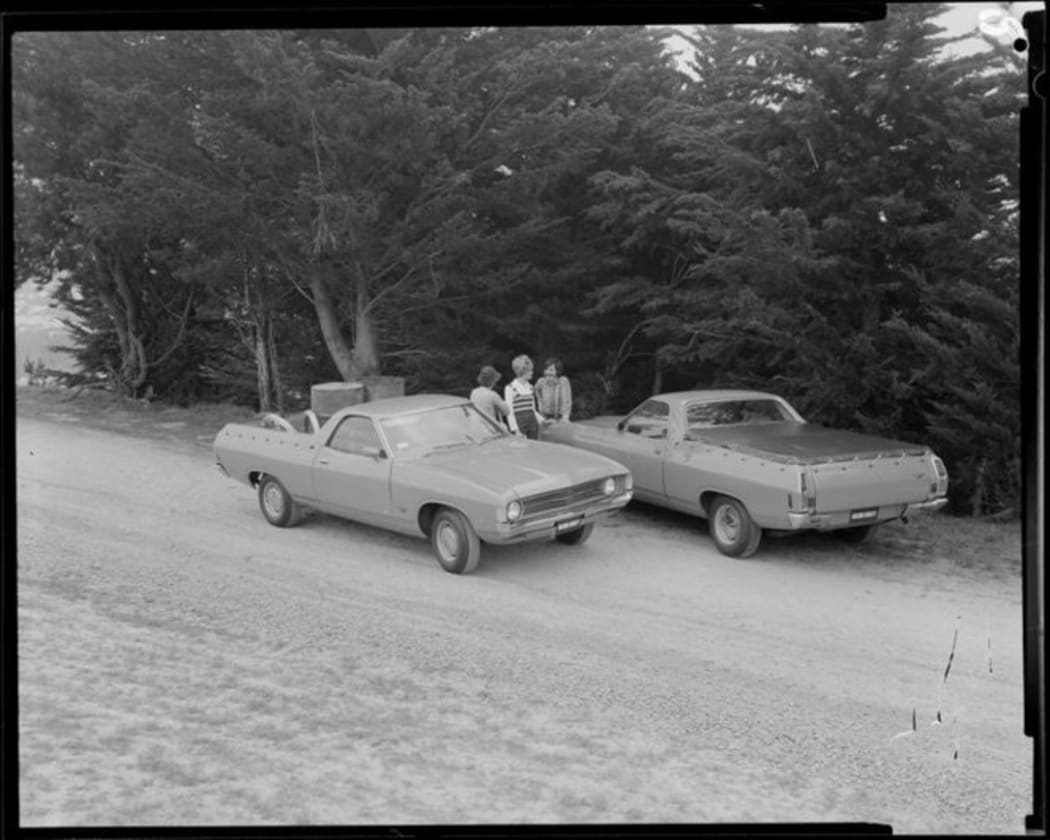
x=272, y=500
x=727, y=524
x=448, y=541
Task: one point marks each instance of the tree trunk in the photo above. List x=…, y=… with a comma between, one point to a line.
x=135, y=369
x=262, y=365
x=658, y=375
x=366, y=356
x=271, y=391
x=329, y=322
x=275, y=371
x=123, y=310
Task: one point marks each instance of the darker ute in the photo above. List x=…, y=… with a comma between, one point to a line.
x=747, y=462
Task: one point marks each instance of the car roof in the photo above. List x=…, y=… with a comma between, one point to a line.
x=678, y=397
x=392, y=406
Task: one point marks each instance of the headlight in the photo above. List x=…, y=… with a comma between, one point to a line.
x=609, y=486
x=514, y=511
x=628, y=482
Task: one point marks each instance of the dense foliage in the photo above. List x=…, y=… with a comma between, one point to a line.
x=827, y=212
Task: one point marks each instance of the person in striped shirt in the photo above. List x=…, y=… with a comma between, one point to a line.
x=524, y=419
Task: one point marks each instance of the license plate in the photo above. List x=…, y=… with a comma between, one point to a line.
x=862, y=515
x=568, y=524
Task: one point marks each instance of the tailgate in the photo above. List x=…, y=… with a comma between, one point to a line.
x=871, y=482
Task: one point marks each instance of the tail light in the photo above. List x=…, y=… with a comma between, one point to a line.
x=940, y=487
x=807, y=490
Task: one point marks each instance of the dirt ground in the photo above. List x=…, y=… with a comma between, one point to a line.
x=183, y=663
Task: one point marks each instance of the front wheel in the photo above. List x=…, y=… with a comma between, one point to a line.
x=455, y=542
x=276, y=504
x=578, y=536
x=734, y=532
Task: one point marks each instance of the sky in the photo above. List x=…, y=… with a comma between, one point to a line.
x=966, y=17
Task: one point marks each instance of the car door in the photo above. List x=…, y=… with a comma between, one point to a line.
x=351, y=473
x=639, y=444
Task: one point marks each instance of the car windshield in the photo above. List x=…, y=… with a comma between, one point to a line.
x=450, y=427
x=705, y=415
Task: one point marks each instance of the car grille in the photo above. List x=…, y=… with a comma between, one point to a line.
x=544, y=504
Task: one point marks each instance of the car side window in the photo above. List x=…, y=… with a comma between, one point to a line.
x=356, y=435
x=649, y=420
x=700, y=415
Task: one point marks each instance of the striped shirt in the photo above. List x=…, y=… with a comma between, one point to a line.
x=522, y=402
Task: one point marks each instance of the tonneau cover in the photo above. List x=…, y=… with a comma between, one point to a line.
x=804, y=442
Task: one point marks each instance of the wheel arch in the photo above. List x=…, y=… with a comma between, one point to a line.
x=428, y=510
x=708, y=496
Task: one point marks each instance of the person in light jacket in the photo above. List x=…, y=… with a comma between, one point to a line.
x=553, y=392
x=524, y=419
x=487, y=401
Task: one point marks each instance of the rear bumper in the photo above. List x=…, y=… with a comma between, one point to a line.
x=834, y=520
x=549, y=527
x=925, y=507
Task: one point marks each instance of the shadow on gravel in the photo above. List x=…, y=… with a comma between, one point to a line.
x=543, y=558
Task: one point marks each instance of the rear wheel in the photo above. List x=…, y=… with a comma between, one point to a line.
x=578, y=536
x=276, y=504
x=455, y=542
x=734, y=532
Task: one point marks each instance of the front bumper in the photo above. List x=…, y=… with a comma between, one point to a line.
x=844, y=518
x=550, y=526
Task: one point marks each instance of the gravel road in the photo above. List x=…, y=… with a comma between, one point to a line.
x=181, y=662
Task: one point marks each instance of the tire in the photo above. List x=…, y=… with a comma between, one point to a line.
x=734, y=532
x=276, y=504
x=855, y=535
x=455, y=543
x=577, y=536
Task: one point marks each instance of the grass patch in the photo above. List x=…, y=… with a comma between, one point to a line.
x=107, y=411
x=966, y=543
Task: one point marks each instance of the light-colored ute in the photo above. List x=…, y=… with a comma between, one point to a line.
x=426, y=465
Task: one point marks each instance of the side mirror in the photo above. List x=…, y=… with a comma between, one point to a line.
x=621, y=424
x=373, y=452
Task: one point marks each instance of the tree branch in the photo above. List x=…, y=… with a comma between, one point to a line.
x=178, y=339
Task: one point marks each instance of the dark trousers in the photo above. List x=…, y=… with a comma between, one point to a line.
x=527, y=424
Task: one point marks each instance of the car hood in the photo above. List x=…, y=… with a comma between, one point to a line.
x=806, y=441
x=526, y=466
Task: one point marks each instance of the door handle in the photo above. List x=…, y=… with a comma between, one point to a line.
x=322, y=460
